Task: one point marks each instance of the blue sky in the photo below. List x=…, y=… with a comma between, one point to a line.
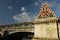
x=16, y=11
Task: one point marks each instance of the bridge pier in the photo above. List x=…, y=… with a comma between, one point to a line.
x=45, y=24
x=5, y=33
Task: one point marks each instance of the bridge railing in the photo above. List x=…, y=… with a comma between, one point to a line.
x=18, y=25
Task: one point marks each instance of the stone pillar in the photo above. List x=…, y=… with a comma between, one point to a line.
x=5, y=33
x=46, y=28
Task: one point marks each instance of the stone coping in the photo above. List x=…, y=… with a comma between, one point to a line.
x=51, y=19
x=37, y=38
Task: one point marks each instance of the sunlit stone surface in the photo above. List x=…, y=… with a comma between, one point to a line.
x=45, y=23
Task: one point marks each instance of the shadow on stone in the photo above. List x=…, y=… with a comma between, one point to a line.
x=19, y=36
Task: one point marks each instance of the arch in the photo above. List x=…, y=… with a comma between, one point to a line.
x=15, y=31
x=19, y=36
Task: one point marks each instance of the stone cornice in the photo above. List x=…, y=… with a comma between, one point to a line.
x=46, y=20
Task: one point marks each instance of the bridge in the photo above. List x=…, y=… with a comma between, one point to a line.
x=14, y=28
x=47, y=25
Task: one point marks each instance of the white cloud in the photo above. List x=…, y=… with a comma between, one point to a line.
x=23, y=8
x=44, y=2
x=23, y=17
x=10, y=7
x=36, y=3
x=52, y=4
x=55, y=0
x=17, y=1
x=40, y=0
x=58, y=8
